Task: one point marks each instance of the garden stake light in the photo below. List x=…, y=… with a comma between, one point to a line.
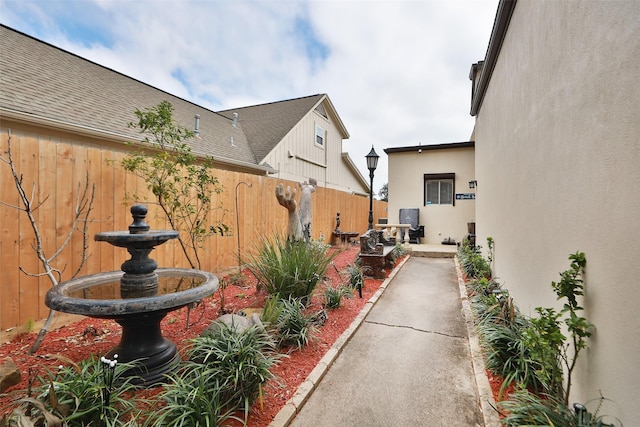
x=108, y=374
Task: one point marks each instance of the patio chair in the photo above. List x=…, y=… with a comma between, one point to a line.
x=412, y=216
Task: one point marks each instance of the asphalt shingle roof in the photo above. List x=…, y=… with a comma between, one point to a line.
x=42, y=80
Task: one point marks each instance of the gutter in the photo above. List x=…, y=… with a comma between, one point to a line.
x=500, y=26
x=29, y=118
x=421, y=148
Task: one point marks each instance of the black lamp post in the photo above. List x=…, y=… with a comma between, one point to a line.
x=372, y=163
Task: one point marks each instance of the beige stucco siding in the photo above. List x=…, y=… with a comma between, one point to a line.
x=557, y=162
x=406, y=190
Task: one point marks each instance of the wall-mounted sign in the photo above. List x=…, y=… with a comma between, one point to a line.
x=465, y=196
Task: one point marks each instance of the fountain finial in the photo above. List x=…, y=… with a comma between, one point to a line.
x=139, y=213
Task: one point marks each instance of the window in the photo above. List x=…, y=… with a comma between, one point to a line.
x=439, y=189
x=319, y=136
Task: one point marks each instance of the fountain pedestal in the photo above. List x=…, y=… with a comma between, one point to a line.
x=142, y=343
x=137, y=298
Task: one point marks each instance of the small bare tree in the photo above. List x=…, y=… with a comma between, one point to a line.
x=83, y=208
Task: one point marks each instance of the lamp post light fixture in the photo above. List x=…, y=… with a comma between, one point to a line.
x=372, y=163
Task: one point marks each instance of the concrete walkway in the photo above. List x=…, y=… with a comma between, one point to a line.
x=407, y=364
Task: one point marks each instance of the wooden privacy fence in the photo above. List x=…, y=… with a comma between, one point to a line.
x=54, y=165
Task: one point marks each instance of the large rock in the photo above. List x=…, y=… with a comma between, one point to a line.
x=9, y=374
x=233, y=321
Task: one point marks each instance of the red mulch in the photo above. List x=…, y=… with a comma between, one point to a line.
x=79, y=340
x=496, y=381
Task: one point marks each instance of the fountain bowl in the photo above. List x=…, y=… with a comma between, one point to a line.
x=76, y=296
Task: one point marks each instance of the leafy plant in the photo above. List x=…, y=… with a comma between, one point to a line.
x=333, y=295
x=271, y=312
x=294, y=326
x=490, y=248
x=192, y=398
x=472, y=262
x=238, y=362
x=556, y=357
x=93, y=392
x=544, y=341
x=570, y=287
x=398, y=251
x=528, y=409
x=507, y=355
x=493, y=305
x=356, y=278
x=289, y=269
x=533, y=352
x=181, y=183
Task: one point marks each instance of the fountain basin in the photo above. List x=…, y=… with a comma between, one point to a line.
x=125, y=239
x=98, y=295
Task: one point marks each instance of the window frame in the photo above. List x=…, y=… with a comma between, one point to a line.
x=439, y=177
x=322, y=135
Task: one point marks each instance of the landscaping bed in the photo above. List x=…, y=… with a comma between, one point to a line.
x=80, y=340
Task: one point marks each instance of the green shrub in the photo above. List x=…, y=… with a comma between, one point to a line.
x=472, y=262
x=93, y=392
x=527, y=409
x=192, y=398
x=532, y=352
x=398, y=251
x=507, y=355
x=271, y=313
x=333, y=295
x=482, y=286
x=356, y=278
x=294, y=326
x=237, y=363
x=545, y=343
x=289, y=269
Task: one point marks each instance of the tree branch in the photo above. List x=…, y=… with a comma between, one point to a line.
x=84, y=206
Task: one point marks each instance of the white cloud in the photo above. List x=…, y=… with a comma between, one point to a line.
x=396, y=71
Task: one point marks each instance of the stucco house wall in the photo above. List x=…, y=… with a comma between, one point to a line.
x=557, y=164
x=407, y=169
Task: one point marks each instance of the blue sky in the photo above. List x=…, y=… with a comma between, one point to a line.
x=396, y=71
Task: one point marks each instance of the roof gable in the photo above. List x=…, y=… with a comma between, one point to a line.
x=265, y=125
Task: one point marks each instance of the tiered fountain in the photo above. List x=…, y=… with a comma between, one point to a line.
x=137, y=298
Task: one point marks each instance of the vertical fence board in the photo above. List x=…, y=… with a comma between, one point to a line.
x=9, y=233
x=63, y=204
x=105, y=214
x=96, y=174
x=47, y=211
x=121, y=215
x=28, y=165
x=78, y=181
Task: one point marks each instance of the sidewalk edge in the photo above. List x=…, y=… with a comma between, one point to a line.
x=485, y=395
